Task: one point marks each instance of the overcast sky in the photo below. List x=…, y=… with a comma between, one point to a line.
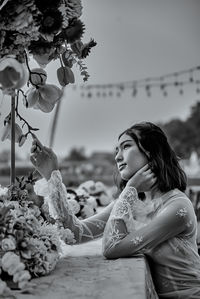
x=136, y=39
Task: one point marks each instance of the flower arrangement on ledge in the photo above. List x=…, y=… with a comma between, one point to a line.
x=45, y=30
x=30, y=240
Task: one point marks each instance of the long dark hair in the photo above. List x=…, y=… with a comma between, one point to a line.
x=162, y=160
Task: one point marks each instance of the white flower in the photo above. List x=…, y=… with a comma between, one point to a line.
x=3, y=191
x=9, y=259
x=8, y=244
x=13, y=74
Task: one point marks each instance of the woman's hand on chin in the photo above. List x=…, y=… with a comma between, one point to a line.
x=143, y=180
x=43, y=159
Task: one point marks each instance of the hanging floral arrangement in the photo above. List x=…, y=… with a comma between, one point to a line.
x=43, y=30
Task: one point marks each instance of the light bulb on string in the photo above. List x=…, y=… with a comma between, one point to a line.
x=191, y=78
x=176, y=80
x=121, y=87
x=165, y=94
x=98, y=94
x=110, y=93
x=197, y=90
x=134, y=93
x=181, y=88
x=148, y=91
x=89, y=95
x=163, y=89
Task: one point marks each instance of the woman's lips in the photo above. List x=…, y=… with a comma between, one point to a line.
x=121, y=166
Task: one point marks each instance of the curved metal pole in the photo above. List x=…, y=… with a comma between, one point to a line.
x=54, y=124
x=12, y=167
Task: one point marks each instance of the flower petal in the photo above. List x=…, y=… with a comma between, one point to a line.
x=32, y=97
x=49, y=94
x=65, y=75
x=38, y=76
x=42, y=60
x=6, y=130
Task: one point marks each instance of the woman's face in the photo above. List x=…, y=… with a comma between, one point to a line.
x=128, y=157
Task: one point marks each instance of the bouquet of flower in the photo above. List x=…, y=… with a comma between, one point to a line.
x=30, y=240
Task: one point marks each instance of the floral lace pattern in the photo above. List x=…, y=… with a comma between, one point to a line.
x=182, y=212
x=137, y=240
x=121, y=221
x=168, y=238
x=55, y=194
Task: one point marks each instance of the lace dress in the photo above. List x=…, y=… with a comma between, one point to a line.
x=167, y=235
x=167, y=238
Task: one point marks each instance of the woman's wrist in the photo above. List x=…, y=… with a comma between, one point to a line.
x=129, y=192
x=47, y=176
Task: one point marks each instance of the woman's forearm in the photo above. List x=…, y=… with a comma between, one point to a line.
x=84, y=230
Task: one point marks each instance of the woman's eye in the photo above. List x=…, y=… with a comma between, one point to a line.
x=126, y=145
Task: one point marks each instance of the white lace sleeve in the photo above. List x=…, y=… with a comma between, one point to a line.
x=120, y=240
x=55, y=194
x=122, y=220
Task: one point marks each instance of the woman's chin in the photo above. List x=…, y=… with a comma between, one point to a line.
x=126, y=176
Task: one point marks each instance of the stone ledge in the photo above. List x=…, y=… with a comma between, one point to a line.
x=94, y=277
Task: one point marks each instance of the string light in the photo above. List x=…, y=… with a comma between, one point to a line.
x=175, y=79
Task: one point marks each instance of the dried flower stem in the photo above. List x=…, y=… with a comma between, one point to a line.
x=32, y=73
x=21, y=118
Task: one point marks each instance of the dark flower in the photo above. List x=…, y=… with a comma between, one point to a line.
x=40, y=47
x=42, y=5
x=87, y=48
x=82, y=50
x=51, y=21
x=74, y=30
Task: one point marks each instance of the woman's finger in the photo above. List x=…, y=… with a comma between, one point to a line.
x=154, y=182
x=48, y=150
x=33, y=148
x=144, y=168
x=148, y=171
x=35, y=139
x=33, y=160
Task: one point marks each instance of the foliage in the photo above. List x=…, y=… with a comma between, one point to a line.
x=76, y=154
x=184, y=135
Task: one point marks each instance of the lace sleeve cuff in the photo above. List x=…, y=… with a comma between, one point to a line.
x=129, y=194
x=56, y=177
x=41, y=187
x=127, y=207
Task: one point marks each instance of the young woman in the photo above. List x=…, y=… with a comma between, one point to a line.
x=164, y=230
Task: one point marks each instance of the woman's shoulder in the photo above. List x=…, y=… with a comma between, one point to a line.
x=180, y=202
x=176, y=195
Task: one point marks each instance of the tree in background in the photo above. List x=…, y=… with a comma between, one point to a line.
x=184, y=135
x=5, y=156
x=76, y=154
x=194, y=121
